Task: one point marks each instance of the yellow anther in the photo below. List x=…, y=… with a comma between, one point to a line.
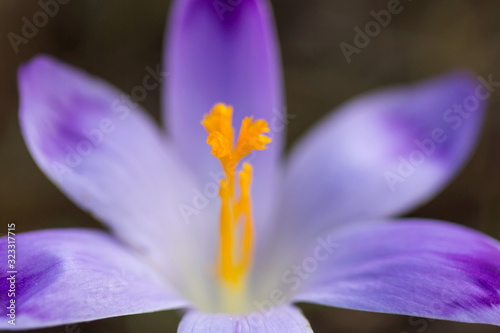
x=244, y=206
x=236, y=221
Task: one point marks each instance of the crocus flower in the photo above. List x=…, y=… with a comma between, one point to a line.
x=230, y=231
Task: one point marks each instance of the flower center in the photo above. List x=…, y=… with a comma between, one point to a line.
x=236, y=222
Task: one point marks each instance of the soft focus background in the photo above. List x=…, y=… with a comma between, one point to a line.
x=117, y=39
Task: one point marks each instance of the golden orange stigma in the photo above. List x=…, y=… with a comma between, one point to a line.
x=236, y=222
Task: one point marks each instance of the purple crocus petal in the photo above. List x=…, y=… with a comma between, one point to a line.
x=106, y=154
x=224, y=51
x=72, y=275
x=415, y=267
x=384, y=153
x=276, y=320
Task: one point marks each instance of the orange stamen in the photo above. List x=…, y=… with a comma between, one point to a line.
x=236, y=221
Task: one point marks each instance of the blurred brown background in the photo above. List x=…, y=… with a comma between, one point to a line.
x=117, y=39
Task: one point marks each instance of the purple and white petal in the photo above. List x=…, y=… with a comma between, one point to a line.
x=421, y=268
x=75, y=275
x=275, y=320
x=384, y=153
x=224, y=51
x=108, y=156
